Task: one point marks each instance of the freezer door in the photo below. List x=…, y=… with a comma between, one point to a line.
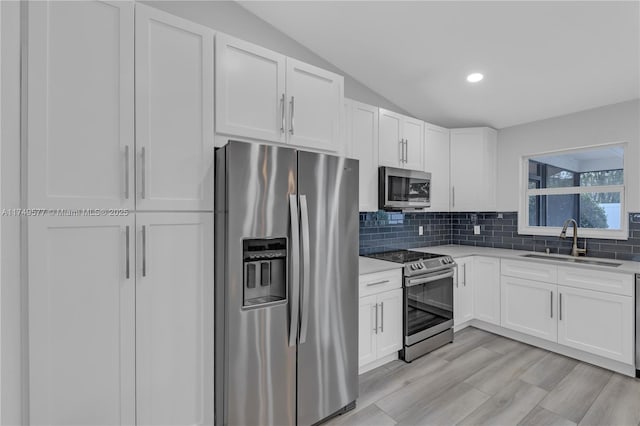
x=256, y=361
x=328, y=342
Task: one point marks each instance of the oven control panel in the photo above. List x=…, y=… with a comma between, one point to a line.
x=428, y=265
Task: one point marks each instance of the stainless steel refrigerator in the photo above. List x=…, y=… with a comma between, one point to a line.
x=286, y=258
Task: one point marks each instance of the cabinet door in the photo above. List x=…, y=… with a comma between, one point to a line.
x=530, y=307
x=174, y=318
x=250, y=94
x=473, y=171
x=364, y=142
x=596, y=322
x=436, y=162
x=463, y=296
x=413, y=133
x=81, y=321
x=390, y=146
x=80, y=105
x=367, y=330
x=486, y=289
x=174, y=112
x=315, y=98
x=389, y=338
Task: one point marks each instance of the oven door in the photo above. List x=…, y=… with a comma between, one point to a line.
x=404, y=189
x=428, y=305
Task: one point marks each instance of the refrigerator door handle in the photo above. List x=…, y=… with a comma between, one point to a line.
x=306, y=266
x=294, y=300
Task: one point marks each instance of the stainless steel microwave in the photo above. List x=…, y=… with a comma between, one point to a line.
x=401, y=189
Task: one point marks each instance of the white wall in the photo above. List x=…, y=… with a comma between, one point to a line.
x=231, y=18
x=10, y=289
x=608, y=124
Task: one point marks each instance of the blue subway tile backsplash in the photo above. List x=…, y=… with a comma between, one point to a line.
x=383, y=231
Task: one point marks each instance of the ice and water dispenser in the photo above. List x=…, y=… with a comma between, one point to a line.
x=265, y=271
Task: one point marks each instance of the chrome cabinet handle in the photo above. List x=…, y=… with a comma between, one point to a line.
x=560, y=307
x=306, y=268
x=143, y=172
x=282, y=123
x=377, y=283
x=295, y=270
x=551, y=303
x=144, y=250
x=127, y=254
x=292, y=104
x=382, y=317
x=464, y=272
x=126, y=172
x=375, y=327
x=453, y=196
x=401, y=146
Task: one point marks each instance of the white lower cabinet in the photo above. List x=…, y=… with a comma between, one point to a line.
x=121, y=319
x=463, y=292
x=389, y=337
x=486, y=289
x=81, y=321
x=566, y=308
x=174, y=319
x=366, y=342
x=380, y=318
x=596, y=322
x=529, y=307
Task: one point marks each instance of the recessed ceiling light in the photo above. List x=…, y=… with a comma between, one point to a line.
x=474, y=77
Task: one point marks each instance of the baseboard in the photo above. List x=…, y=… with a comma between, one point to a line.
x=378, y=363
x=609, y=364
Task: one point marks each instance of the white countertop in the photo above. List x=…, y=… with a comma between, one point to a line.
x=371, y=266
x=460, y=251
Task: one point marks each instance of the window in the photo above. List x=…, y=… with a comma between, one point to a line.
x=586, y=185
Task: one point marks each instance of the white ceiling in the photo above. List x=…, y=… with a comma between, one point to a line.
x=540, y=59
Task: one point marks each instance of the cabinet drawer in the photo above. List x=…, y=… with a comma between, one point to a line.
x=609, y=282
x=380, y=281
x=530, y=270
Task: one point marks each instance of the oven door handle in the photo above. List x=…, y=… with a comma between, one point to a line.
x=418, y=281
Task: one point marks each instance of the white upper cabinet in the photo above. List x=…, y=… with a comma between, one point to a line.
x=261, y=94
x=250, y=82
x=362, y=134
x=391, y=142
x=401, y=142
x=81, y=321
x=315, y=97
x=80, y=105
x=174, y=318
x=473, y=169
x=174, y=112
x=436, y=162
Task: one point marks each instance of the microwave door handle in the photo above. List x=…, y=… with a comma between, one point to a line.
x=294, y=299
x=418, y=281
x=306, y=268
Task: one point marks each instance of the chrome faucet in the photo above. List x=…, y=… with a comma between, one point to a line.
x=575, y=251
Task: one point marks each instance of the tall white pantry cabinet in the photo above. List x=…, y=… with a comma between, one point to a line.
x=120, y=306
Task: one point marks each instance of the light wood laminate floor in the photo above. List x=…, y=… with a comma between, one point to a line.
x=485, y=379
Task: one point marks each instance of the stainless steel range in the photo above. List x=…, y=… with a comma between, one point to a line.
x=428, y=300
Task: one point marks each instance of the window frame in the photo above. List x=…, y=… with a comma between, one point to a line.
x=525, y=192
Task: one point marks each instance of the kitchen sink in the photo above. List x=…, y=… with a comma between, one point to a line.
x=572, y=260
